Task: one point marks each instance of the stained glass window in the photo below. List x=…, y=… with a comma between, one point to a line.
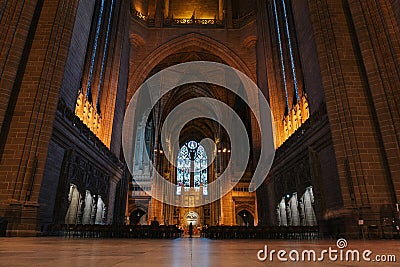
x=192, y=156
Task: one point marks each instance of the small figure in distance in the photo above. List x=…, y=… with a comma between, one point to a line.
x=190, y=230
x=155, y=223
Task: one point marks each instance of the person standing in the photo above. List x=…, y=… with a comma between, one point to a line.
x=190, y=230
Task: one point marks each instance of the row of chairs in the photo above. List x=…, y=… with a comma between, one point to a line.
x=163, y=231
x=262, y=232
x=112, y=231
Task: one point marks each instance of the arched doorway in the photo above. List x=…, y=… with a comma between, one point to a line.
x=137, y=216
x=245, y=218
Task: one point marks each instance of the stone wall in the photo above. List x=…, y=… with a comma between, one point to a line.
x=77, y=53
x=44, y=51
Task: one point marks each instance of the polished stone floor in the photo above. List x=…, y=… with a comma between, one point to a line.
x=179, y=252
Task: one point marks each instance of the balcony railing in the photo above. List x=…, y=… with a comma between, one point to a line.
x=194, y=22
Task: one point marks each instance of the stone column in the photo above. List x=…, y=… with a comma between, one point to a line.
x=357, y=53
x=26, y=135
x=221, y=9
x=111, y=199
x=166, y=8
x=228, y=14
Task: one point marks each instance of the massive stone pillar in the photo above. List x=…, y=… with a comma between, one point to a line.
x=359, y=54
x=34, y=75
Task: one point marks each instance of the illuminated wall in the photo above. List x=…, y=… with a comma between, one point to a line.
x=206, y=9
x=141, y=6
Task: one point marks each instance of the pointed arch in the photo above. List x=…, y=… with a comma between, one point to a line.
x=180, y=43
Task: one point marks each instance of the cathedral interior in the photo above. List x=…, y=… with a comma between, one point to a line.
x=329, y=70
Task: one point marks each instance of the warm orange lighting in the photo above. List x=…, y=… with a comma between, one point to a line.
x=195, y=10
x=296, y=117
x=89, y=116
x=138, y=8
